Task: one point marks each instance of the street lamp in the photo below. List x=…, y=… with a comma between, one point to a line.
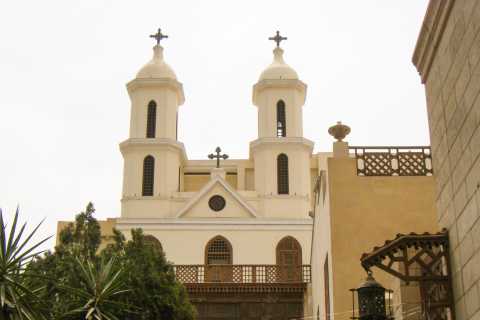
x=371, y=300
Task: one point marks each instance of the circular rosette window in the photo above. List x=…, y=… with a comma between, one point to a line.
x=216, y=203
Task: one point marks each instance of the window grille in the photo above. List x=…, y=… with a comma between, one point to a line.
x=151, y=119
x=290, y=247
x=289, y=259
x=148, y=176
x=282, y=174
x=281, y=119
x=219, y=251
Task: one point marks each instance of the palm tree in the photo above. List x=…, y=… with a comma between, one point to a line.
x=17, y=300
x=99, y=287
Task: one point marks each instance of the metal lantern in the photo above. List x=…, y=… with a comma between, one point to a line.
x=371, y=300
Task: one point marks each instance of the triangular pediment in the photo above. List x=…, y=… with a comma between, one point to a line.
x=235, y=206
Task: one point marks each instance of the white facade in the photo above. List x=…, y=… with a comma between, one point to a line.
x=257, y=214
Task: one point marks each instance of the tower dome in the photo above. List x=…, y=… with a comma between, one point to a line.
x=278, y=69
x=156, y=68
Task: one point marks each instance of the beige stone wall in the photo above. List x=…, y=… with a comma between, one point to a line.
x=364, y=212
x=451, y=75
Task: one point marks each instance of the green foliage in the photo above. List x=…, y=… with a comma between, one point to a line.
x=59, y=270
x=97, y=290
x=18, y=300
x=83, y=237
x=154, y=290
x=72, y=276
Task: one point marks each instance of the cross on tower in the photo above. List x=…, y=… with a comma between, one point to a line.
x=278, y=38
x=158, y=36
x=218, y=156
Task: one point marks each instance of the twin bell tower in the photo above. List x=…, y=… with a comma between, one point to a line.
x=155, y=162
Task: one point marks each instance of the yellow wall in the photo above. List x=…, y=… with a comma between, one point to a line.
x=364, y=212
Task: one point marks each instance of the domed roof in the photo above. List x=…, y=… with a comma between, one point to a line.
x=278, y=69
x=156, y=68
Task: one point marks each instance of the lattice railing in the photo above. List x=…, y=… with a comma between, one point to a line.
x=393, y=161
x=242, y=274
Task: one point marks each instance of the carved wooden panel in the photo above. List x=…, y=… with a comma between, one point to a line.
x=393, y=161
x=243, y=273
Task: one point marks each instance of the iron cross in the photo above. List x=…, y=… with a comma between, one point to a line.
x=218, y=156
x=278, y=38
x=158, y=36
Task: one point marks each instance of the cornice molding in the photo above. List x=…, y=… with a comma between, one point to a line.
x=152, y=144
x=431, y=33
x=286, y=141
x=215, y=224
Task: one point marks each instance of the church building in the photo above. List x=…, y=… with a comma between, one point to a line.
x=234, y=228
x=278, y=235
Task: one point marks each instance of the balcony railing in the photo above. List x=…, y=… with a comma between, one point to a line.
x=242, y=274
x=393, y=161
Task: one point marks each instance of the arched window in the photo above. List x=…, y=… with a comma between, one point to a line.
x=148, y=176
x=218, y=251
x=281, y=119
x=289, y=259
x=282, y=174
x=151, y=119
x=153, y=241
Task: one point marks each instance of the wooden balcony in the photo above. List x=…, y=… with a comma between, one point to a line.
x=243, y=274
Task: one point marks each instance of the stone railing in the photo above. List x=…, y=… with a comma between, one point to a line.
x=255, y=274
x=393, y=161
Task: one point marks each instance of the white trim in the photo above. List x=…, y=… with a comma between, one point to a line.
x=209, y=186
x=230, y=224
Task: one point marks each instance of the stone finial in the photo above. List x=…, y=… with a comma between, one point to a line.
x=339, y=131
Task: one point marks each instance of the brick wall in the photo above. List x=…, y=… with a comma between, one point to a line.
x=447, y=57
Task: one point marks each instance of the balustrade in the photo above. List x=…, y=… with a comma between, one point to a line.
x=393, y=161
x=242, y=274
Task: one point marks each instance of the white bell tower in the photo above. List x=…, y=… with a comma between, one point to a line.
x=152, y=154
x=281, y=154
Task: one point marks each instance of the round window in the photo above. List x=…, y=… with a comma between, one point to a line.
x=216, y=203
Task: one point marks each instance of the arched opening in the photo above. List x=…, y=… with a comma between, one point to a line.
x=153, y=241
x=151, y=119
x=218, y=260
x=282, y=174
x=218, y=251
x=148, y=176
x=281, y=119
x=289, y=259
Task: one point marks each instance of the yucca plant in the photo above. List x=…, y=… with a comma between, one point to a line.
x=98, y=290
x=17, y=300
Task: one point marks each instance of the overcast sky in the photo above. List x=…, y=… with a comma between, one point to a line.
x=64, y=65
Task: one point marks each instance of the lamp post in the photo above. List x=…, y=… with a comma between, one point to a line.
x=371, y=300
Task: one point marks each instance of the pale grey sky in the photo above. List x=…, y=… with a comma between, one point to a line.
x=64, y=65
